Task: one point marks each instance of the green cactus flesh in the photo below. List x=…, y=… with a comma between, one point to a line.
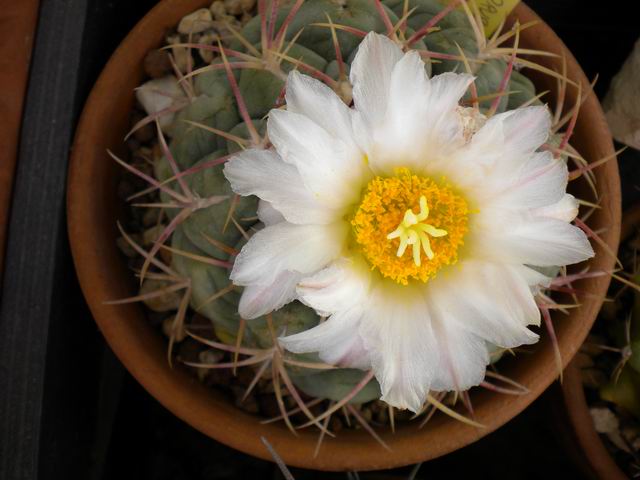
x=336, y=384
x=624, y=391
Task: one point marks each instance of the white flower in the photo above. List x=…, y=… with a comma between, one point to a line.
x=410, y=225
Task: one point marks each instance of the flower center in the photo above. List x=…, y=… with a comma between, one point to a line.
x=385, y=225
x=412, y=231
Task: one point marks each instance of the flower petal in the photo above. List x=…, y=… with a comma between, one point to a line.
x=264, y=174
x=517, y=132
x=330, y=168
x=268, y=215
x=492, y=301
x=371, y=76
x=258, y=300
x=565, y=209
x=534, y=278
x=338, y=287
x=315, y=100
x=284, y=246
x=539, y=241
x=541, y=180
x=398, y=334
x=442, y=117
x=403, y=129
x=463, y=355
x=499, y=150
x=421, y=116
x=336, y=339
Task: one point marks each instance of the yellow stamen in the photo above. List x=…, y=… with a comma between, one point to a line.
x=386, y=212
x=412, y=231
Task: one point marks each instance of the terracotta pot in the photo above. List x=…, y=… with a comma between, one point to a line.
x=92, y=214
x=592, y=456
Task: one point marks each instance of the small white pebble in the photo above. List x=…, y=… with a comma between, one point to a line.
x=234, y=7
x=196, y=22
x=159, y=94
x=180, y=55
x=218, y=10
x=247, y=5
x=207, y=38
x=604, y=420
x=210, y=357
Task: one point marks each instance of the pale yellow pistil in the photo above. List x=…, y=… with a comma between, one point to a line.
x=413, y=230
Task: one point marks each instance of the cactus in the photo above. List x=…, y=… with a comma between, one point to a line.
x=624, y=391
x=336, y=384
x=228, y=101
x=633, y=334
x=624, y=388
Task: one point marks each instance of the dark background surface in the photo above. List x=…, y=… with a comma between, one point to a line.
x=68, y=410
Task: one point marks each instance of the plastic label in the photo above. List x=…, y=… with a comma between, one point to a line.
x=492, y=12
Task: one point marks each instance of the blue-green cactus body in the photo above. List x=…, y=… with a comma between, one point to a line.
x=216, y=107
x=205, y=282
x=191, y=143
x=241, y=130
x=210, y=222
x=359, y=14
x=261, y=88
x=456, y=34
x=336, y=384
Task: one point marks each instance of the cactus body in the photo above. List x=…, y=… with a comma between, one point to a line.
x=336, y=384
x=215, y=106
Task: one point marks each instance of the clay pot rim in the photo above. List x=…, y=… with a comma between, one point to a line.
x=102, y=277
